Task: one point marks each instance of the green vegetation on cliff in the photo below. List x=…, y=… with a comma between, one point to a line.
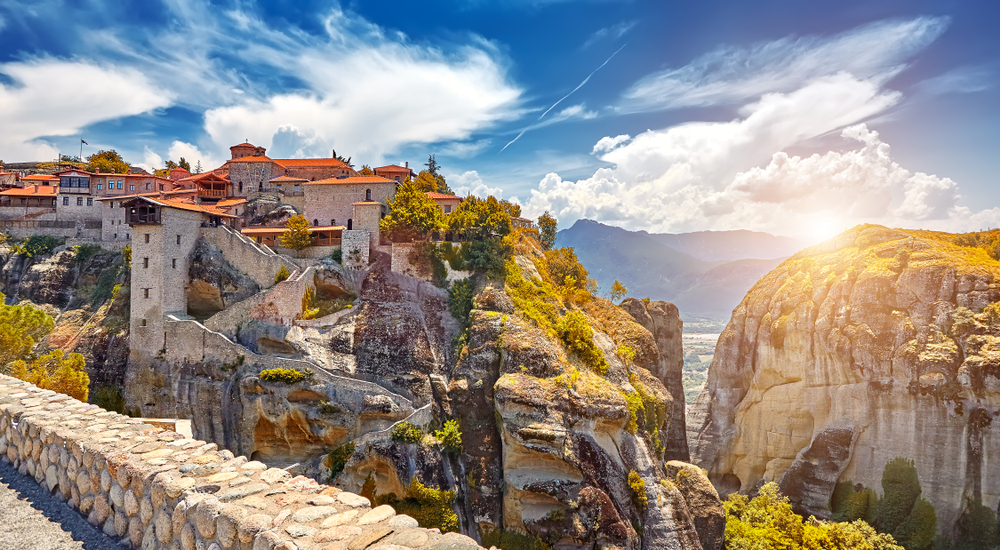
x=767, y=522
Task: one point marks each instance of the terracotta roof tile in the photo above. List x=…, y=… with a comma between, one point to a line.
x=311, y=162
x=442, y=196
x=253, y=159
x=393, y=168
x=287, y=178
x=41, y=177
x=33, y=191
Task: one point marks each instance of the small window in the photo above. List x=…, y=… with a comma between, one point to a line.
x=142, y=323
x=178, y=239
x=79, y=201
x=131, y=188
x=368, y=194
x=447, y=209
x=333, y=222
x=147, y=237
x=173, y=263
x=100, y=186
x=145, y=263
x=315, y=223
x=119, y=185
x=116, y=235
x=145, y=293
x=90, y=201
x=148, y=186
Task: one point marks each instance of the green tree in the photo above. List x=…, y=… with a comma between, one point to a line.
x=432, y=165
x=170, y=165
x=197, y=167
x=427, y=182
x=108, y=162
x=341, y=158
x=21, y=327
x=547, y=230
x=478, y=219
x=184, y=164
x=297, y=234
x=56, y=371
x=412, y=214
x=900, y=491
x=451, y=437
x=618, y=291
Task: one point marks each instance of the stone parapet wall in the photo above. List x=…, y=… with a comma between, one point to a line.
x=401, y=264
x=355, y=249
x=155, y=488
x=257, y=261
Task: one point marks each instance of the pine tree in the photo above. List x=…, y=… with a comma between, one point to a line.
x=197, y=167
x=547, y=226
x=432, y=165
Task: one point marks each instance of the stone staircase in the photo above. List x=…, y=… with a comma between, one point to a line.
x=257, y=260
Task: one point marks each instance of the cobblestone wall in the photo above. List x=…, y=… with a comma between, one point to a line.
x=157, y=489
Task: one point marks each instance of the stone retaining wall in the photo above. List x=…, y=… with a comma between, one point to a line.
x=157, y=489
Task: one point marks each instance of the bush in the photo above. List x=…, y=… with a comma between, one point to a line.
x=337, y=255
x=109, y=398
x=104, y=289
x=450, y=437
x=56, y=371
x=460, y=300
x=36, y=245
x=287, y=376
x=337, y=459
x=406, y=432
x=576, y=333
x=281, y=275
x=512, y=540
x=976, y=528
x=84, y=252
x=638, y=486
x=430, y=507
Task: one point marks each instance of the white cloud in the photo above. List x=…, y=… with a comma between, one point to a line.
x=694, y=176
x=464, y=149
x=470, y=183
x=732, y=75
x=150, y=160
x=960, y=80
x=52, y=97
x=193, y=155
x=614, y=32
x=606, y=144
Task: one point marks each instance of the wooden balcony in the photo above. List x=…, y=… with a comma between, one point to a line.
x=143, y=215
x=212, y=193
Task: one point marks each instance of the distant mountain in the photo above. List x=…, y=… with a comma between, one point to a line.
x=704, y=290
x=731, y=245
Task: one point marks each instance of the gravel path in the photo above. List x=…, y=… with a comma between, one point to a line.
x=32, y=519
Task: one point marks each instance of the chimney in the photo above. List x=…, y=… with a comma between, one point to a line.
x=407, y=164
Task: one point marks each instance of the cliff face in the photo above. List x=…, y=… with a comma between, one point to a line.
x=871, y=346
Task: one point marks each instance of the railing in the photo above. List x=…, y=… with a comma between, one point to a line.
x=153, y=218
x=212, y=193
x=326, y=241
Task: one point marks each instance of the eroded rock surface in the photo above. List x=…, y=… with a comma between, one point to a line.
x=851, y=353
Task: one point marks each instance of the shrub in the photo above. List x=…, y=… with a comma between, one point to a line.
x=104, y=289
x=287, y=376
x=21, y=327
x=337, y=255
x=430, y=507
x=576, y=333
x=638, y=486
x=512, y=540
x=406, y=432
x=450, y=437
x=36, y=245
x=56, y=371
x=460, y=300
x=84, y=252
x=487, y=256
x=338, y=459
x=900, y=490
x=297, y=233
x=976, y=528
x=281, y=275
x=109, y=398
x=326, y=407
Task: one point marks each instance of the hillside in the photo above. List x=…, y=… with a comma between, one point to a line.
x=704, y=291
x=879, y=343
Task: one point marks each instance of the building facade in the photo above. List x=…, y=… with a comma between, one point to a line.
x=331, y=201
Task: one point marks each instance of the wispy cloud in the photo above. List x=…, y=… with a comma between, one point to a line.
x=341, y=88
x=733, y=75
x=563, y=98
x=613, y=32
x=963, y=80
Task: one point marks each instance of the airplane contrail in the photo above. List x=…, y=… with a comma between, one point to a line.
x=585, y=80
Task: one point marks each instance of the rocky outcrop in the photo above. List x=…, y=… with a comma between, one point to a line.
x=702, y=502
x=214, y=283
x=663, y=321
x=871, y=346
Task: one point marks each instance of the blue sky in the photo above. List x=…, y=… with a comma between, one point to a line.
x=798, y=118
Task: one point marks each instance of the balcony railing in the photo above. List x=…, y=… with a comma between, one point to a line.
x=142, y=216
x=212, y=193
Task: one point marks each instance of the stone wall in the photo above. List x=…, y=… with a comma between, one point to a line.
x=20, y=229
x=351, y=241
x=334, y=202
x=401, y=264
x=283, y=303
x=259, y=262
x=158, y=489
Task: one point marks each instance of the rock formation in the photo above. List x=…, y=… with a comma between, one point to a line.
x=874, y=345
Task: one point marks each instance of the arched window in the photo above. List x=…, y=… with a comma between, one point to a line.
x=349, y=223
x=241, y=187
x=368, y=194
x=315, y=222
x=333, y=221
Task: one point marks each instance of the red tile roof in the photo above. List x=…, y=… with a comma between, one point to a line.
x=244, y=145
x=311, y=162
x=229, y=203
x=350, y=180
x=287, y=178
x=393, y=168
x=41, y=177
x=443, y=197
x=33, y=191
x=150, y=194
x=252, y=159
x=181, y=205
